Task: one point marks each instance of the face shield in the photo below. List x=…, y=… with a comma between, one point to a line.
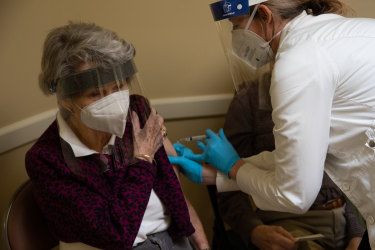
x=95, y=105
x=248, y=55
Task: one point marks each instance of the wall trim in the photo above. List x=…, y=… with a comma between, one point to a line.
x=29, y=129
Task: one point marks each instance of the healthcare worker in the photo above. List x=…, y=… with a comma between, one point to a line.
x=323, y=99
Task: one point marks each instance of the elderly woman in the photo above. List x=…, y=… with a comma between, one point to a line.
x=100, y=172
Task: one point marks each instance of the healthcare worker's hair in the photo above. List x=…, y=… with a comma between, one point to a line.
x=288, y=9
x=69, y=46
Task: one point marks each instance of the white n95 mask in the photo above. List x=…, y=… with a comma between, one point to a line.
x=251, y=48
x=108, y=114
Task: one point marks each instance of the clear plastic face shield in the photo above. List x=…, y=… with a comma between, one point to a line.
x=248, y=55
x=94, y=121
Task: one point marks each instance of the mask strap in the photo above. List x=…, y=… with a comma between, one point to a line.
x=116, y=78
x=251, y=17
x=274, y=36
x=82, y=109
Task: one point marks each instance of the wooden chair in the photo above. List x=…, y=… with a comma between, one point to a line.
x=24, y=226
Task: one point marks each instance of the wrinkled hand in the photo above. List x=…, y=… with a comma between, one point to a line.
x=150, y=138
x=217, y=151
x=272, y=237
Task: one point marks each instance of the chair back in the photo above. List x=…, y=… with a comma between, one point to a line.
x=24, y=226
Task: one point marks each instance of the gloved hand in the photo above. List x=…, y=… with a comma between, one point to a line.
x=217, y=151
x=191, y=169
x=182, y=150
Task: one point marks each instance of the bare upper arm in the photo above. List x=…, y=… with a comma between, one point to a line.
x=171, y=152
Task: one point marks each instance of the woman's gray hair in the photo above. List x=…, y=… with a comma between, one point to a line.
x=69, y=46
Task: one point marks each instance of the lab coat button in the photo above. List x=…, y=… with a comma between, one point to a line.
x=345, y=187
x=371, y=143
x=370, y=220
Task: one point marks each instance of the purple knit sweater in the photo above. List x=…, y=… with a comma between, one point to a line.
x=102, y=209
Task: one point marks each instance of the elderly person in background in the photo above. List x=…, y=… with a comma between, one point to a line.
x=101, y=174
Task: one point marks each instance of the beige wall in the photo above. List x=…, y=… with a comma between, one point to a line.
x=178, y=50
x=178, y=54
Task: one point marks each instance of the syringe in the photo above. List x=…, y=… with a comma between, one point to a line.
x=194, y=138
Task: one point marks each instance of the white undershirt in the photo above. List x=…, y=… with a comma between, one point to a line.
x=155, y=219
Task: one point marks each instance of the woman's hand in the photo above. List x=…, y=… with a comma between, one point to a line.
x=150, y=138
x=272, y=237
x=354, y=243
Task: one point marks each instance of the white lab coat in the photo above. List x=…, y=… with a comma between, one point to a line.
x=323, y=99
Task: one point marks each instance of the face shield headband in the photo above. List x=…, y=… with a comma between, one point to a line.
x=92, y=78
x=230, y=8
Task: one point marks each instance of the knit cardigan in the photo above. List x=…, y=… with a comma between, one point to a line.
x=103, y=207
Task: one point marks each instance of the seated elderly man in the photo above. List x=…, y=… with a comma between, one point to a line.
x=100, y=172
x=249, y=128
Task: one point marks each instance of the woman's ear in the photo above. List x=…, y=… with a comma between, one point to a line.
x=265, y=13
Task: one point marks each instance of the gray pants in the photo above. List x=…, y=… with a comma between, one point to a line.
x=330, y=223
x=162, y=241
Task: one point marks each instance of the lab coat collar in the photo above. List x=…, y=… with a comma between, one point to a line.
x=292, y=23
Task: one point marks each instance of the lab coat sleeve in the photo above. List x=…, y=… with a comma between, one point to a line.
x=263, y=161
x=302, y=89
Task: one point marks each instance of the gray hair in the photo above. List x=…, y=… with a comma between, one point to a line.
x=69, y=46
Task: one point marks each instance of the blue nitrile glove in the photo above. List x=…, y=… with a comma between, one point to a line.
x=182, y=150
x=191, y=169
x=217, y=151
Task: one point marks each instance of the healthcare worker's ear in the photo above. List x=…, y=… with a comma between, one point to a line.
x=265, y=14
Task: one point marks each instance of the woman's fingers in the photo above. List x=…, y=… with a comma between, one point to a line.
x=155, y=129
x=151, y=137
x=135, y=121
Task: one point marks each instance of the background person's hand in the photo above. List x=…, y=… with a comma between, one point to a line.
x=354, y=243
x=217, y=151
x=272, y=237
x=150, y=138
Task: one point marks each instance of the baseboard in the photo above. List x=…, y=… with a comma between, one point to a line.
x=27, y=130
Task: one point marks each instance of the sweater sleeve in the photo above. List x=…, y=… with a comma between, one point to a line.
x=103, y=210
x=353, y=227
x=238, y=213
x=235, y=206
